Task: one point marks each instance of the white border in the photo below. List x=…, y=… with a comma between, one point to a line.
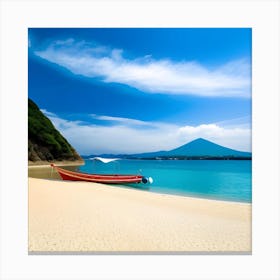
x=262, y=16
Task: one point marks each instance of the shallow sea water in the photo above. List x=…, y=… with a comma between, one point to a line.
x=215, y=179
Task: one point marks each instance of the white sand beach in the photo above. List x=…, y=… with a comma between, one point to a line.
x=90, y=217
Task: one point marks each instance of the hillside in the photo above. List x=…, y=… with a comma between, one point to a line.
x=45, y=143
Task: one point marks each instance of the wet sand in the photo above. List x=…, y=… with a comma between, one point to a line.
x=47, y=172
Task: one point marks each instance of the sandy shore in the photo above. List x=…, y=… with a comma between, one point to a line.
x=89, y=217
x=39, y=164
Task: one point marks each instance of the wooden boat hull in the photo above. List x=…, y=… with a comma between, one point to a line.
x=99, y=178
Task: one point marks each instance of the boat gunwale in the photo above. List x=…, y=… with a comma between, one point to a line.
x=106, y=180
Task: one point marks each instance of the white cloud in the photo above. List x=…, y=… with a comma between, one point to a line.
x=244, y=122
x=153, y=76
x=125, y=121
x=126, y=136
x=47, y=113
x=128, y=122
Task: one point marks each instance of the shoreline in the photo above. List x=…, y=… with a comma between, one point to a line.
x=91, y=217
x=156, y=193
x=45, y=164
x=45, y=172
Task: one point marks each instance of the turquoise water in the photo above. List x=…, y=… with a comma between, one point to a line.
x=215, y=179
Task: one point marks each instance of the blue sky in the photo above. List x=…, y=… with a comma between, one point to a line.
x=127, y=90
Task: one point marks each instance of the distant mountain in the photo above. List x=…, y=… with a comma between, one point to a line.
x=45, y=143
x=202, y=147
x=199, y=148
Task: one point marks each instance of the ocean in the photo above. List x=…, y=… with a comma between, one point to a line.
x=229, y=180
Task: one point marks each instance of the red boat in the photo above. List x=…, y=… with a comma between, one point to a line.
x=101, y=178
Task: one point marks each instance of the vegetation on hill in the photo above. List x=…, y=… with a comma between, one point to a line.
x=45, y=143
